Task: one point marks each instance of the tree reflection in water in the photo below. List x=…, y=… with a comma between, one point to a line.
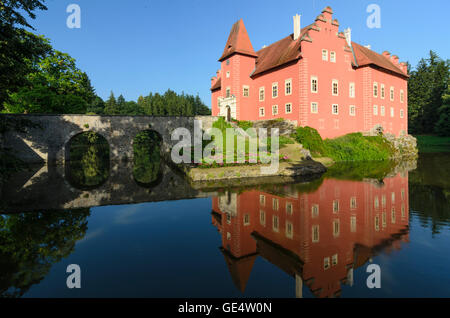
x=89, y=160
x=147, y=158
x=30, y=243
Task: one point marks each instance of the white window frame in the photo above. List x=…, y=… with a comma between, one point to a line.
x=286, y=108
x=274, y=107
x=312, y=84
x=315, y=229
x=335, y=81
x=227, y=74
x=261, y=89
x=350, y=110
x=375, y=89
x=392, y=93
x=244, y=87
x=351, y=90
x=402, y=113
x=286, y=82
x=275, y=85
x=382, y=111
x=375, y=110
x=337, y=109
x=392, y=112
x=263, y=112
x=324, y=55
x=402, y=96
x=333, y=57
x=382, y=91
x=228, y=92
x=317, y=108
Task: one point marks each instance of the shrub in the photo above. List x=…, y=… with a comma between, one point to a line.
x=311, y=140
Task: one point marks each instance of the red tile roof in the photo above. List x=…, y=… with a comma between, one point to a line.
x=217, y=85
x=238, y=42
x=279, y=53
x=365, y=56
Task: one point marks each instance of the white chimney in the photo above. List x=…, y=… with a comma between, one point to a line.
x=297, y=27
x=368, y=46
x=348, y=36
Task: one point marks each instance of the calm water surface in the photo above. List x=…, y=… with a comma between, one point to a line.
x=311, y=239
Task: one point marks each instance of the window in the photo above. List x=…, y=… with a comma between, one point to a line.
x=402, y=96
x=228, y=62
x=392, y=93
x=262, y=217
x=335, y=206
x=353, y=203
x=314, y=84
x=314, y=210
x=289, y=230
x=275, y=204
x=382, y=91
x=326, y=263
x=288, y=87
x=383, y=201
x=246, y=91
x=401, y=113
x=246, y=219
x=382, y=112
x=228, y=74
x=275, y=223
x=288, y=108
x=228, y=218
x=352, y=110
x=324, y=55
x=274, y=90
x=335, y=91
x=289, y=208
x=333, y=56
x=315, y=233
x=228, y=92
x=334, y=260
x=228, y=236
x=314, y=108
x=335, y=109
x=336, y=229
x=261, y=112
x=262, y=199
x=261, y=94
x=393, y=215
x=375, y=89
x=375, y=110
x=275, y=110
x=351, y=90
x=393, y=197
x=353, y=223
x=383, y=219
x=392, y=111
x=376, y=203
x=377, y=223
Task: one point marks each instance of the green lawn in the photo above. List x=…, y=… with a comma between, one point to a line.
x=428, y=143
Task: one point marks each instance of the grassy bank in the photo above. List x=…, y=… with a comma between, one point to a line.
x=428, y=143
x=351, y=147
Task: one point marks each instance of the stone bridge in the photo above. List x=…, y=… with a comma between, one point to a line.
x=48, y=139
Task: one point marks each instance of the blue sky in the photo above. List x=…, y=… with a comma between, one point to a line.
x=139, y=46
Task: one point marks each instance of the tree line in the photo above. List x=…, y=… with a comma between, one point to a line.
x=429, y=97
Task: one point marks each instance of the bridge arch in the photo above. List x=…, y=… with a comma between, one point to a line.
x=147, y=158
x=87, y=160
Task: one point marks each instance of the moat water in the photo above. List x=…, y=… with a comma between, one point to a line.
x=146, y=233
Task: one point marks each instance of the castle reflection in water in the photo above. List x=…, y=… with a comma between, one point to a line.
x=318, y=236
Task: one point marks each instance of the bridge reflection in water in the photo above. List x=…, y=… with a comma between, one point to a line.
x=320, y=236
